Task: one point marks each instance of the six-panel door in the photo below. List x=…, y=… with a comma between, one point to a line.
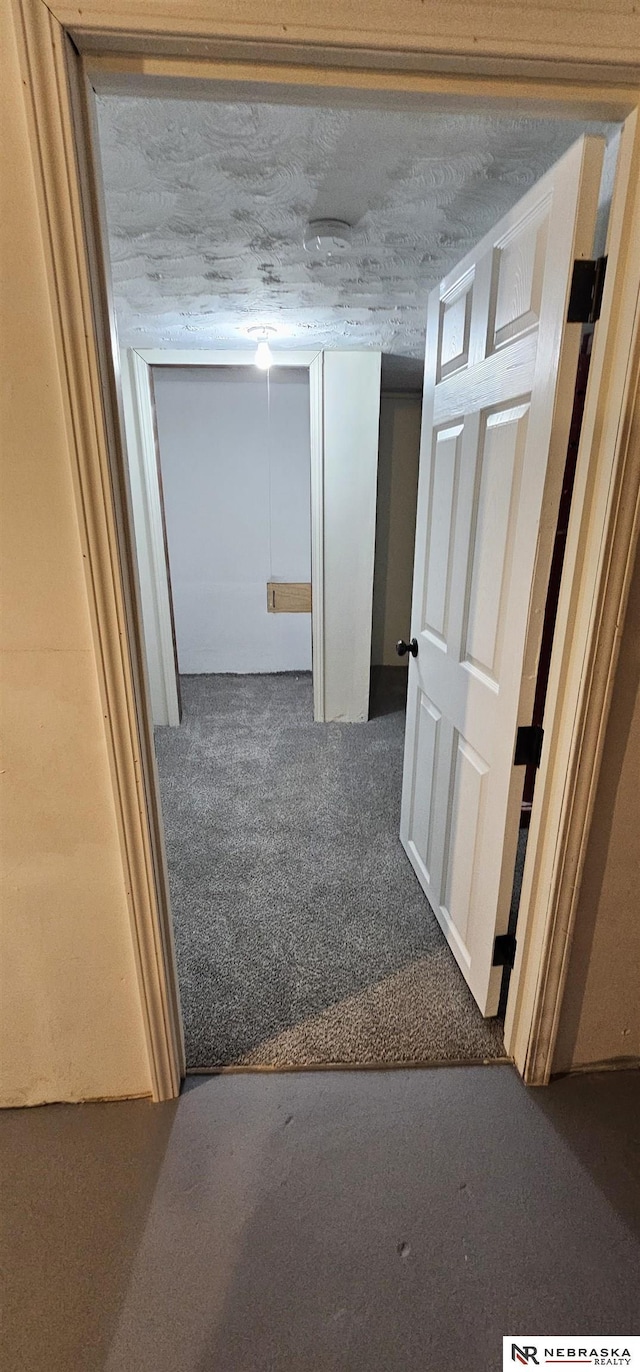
x=500, y=368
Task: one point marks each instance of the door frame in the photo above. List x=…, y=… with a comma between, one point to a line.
x=340, y=628
x=63, y=50
x=143, y=459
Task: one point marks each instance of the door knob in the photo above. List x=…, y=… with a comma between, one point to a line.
x=403, y=648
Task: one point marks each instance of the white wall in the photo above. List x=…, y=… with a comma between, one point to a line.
x=228, y=535
x=351, y=420
x=151, y=555
x=398, y=459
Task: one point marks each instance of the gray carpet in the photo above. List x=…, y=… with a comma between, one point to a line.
x=302, y=935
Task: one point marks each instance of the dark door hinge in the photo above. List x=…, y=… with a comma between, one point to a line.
x=587, y=285
x=504, y=950
x=529, y=740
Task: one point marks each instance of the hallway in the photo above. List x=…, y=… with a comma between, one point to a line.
x=302, y=935
x=321, y=1222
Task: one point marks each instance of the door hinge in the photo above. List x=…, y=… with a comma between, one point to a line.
x=587, y=285
x=529, y=740
x=504, y=950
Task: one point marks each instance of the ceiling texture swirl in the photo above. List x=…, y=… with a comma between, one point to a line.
x=207, y=205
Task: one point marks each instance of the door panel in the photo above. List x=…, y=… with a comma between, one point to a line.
x=455, y=327
x=519, y=262
x=492, y=540
x=442, y=515
x=500, y=366
x=422, y=818
x=466, y=798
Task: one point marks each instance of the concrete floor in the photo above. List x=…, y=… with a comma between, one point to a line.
x=348, y=1220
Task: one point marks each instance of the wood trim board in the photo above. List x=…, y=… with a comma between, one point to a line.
x=289, y=597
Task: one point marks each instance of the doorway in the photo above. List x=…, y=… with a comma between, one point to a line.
x=411, y=973
x=234, y=454
x=301, y=936
x=595, y=597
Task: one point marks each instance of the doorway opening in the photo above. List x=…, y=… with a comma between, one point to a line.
x=302, y=935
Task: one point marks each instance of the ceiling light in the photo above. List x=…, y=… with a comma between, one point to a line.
x=264, y=357
x=327, y=237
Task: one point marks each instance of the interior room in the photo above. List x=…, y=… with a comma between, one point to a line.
x=302, y=934
x=304, y=1219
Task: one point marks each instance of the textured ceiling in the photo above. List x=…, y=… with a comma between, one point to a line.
x=207, y=205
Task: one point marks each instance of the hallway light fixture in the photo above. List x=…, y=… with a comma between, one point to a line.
x=264, y=356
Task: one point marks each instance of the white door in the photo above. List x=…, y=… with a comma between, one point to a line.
x=499, y=379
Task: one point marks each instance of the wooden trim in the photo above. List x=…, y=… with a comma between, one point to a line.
x=277, y=72
x=289, y=597
x=496, y=39
x=259, y=1069
x=222, y=357
x=602, y=537
x=605, y=518
x=316, y=406
x=64, y=191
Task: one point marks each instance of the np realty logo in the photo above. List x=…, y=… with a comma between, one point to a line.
x=526, y=1351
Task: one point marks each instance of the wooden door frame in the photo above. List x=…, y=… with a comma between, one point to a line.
x=443, y=66
x=142, y=451
x=332, y=637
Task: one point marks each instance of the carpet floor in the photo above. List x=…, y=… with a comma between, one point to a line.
x=302, y=934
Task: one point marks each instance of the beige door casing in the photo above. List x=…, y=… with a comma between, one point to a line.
x=66, y=53
x=344, y=414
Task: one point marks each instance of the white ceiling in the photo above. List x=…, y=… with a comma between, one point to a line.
x=207, y=205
